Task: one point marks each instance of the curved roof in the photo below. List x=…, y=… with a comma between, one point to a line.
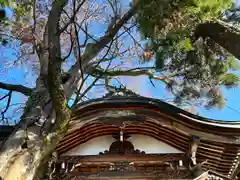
x=219, y=145
x=159, y=104
x=119, y=109
x=161, y=108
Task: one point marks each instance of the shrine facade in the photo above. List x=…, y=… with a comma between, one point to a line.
x=132, y=137
x=129, y=137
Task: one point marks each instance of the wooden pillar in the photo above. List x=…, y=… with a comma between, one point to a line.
x=193, y=145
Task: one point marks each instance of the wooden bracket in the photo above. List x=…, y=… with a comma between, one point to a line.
x=193, y=145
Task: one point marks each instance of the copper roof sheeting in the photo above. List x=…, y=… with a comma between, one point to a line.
x=219, y=144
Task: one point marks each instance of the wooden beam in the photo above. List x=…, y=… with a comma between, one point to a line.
x=182, y=125
x=126, y=175
x=151, y=158
x=193, y=145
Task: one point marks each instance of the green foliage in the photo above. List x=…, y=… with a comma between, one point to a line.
x=3, y=41
x=229, y=79
x=208, y=10
x=185, y=45
x=233, y=63
x=20, y=9
x=218, y=102
x=24, y=8
x=8, y=3
x=5, y=3
x=175, y=14
x=4, y=21
x=203, y=66
x=192, y=65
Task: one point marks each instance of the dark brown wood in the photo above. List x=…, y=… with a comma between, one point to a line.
x=139, y=174
x=212, y=154
x=170, y=125
x=129, y=166
x=193, y=145
x=83, y=136
x=121, y=147
x=151, y=158
x=152, y=111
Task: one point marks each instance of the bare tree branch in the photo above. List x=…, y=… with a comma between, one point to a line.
x=7, y=106
x=134, y=40
x=79, y=97
x=71, y=47
x=54, y=65
x=71, y=20
x=34, y=27
x=56, y=90
x=94, y=49
x=18, y=88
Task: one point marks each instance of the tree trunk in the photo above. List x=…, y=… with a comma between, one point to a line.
x=17, y=153
x=222, y=35
x=18, y=163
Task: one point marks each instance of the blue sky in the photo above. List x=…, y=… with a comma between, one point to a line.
x=237, y=2
x=139, y=84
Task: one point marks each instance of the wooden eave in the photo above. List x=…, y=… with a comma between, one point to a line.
x=219, y=157
x=219, y=143
x=160, y=108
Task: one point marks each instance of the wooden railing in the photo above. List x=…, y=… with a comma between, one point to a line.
x=127, y=165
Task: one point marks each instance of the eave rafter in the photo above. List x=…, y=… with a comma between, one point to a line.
x=167, y=124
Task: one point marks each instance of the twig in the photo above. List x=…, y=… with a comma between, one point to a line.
x=87, y=34
x=125, y=31
x=71, y=48
x=4, y=97
x=135, y=41
x=97, y=78
x=7, y=106
x=79, y=58
x=73, y=17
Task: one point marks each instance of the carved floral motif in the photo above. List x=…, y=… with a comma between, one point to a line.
x=121, y=147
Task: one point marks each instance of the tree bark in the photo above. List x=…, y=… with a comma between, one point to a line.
x=222, y=35
x=30, y=162
x=15, y=161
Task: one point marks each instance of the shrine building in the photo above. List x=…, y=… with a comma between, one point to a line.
x=133, y=137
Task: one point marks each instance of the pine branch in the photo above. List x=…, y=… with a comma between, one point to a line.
x=18, y=88
x=130, y=72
